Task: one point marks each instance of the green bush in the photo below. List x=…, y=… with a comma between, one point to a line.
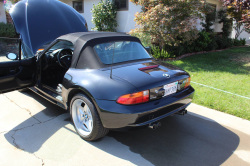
x=144, y=37
x=237, y=42
x=7, y=30
x=205, y=42
x=212, y=45
x=230, y=43
x=104, y=16
x=201, y=43
x=243, y=41
x=159, y=53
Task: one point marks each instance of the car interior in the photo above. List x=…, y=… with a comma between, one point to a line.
x=55, y=63
x=122, y=51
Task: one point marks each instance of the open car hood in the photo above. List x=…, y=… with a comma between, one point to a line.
x=41, y=21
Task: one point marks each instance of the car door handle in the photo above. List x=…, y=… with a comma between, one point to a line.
x=12, y=71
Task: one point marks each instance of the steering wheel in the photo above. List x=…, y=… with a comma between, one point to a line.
x=64, y=57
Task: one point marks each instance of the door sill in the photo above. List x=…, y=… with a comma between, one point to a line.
x=49, y=95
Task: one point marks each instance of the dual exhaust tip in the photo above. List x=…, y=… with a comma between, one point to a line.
x=156, y=125
x=182, y=112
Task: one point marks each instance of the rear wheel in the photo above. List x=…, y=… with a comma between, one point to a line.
x=86, y=119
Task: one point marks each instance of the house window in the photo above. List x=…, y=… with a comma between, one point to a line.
x=121, y=4
x=78, y=6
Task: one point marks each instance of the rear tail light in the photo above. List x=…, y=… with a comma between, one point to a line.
x=134, y=98
x=188, y=80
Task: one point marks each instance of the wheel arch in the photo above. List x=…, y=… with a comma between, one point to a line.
x=73, y=91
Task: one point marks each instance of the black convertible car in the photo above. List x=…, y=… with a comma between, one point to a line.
x=107, y=81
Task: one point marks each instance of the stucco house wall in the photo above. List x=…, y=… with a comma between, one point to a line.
x=126, y=21
x=243, y=35
x=2, y=12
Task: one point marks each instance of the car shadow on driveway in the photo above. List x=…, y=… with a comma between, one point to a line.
x=182, y=140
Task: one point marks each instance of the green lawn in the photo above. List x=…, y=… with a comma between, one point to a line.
x=227, y=70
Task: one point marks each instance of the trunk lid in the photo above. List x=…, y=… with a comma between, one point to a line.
x=149, y=74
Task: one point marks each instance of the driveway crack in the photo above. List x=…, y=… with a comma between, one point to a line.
x=39, y=122
x=22, y=108
x=15, y=144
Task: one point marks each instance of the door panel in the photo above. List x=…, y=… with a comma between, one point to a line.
x=17, y=74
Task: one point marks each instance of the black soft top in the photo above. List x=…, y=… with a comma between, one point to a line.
x=84, y=56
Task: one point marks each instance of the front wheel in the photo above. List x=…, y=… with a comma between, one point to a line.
x=86, y=119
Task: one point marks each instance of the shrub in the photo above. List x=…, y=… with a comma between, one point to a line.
x=243, y=41
x=230, y=42
x=222, y=42
x=169, y=22
x=201, y=43
x=104, y=16
x=159, y=53
x=144, y=37
x=237, y=42
x=7, y=30
x=212, y=45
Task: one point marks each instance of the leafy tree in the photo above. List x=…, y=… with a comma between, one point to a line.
x=104, y=16
x=168, y=21
x=246, y=20
x=239, y=11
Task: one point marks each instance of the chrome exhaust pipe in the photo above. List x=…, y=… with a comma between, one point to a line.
x=182, y=112
x=158, y=125
x=152, y=126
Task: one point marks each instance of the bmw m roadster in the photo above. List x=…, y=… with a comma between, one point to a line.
x=107, y=81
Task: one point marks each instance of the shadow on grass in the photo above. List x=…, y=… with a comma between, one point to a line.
x=182, y=140
x=224, y=61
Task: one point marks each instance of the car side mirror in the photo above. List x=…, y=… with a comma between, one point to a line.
x=12, y=56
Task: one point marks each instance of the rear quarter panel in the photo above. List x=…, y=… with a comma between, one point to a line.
x=97, y=84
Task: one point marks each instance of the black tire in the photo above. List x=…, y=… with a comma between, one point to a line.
x=98, y=130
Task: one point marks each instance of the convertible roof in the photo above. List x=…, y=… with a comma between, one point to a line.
x=87, y=36
x=82, y=40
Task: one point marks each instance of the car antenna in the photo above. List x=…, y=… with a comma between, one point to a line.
x=112, y=61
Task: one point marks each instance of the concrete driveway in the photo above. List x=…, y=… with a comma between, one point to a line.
x=35, y=132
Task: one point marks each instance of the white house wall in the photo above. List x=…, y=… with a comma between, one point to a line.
x=125, y=19
x=243, y=35
x=2, y=13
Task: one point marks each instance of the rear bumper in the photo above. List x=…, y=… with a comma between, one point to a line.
x=117, y=116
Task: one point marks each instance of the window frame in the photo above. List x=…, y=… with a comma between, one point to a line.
x=124, y=9
x=78, y=1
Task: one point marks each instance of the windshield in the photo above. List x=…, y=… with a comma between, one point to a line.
x=122, y=51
